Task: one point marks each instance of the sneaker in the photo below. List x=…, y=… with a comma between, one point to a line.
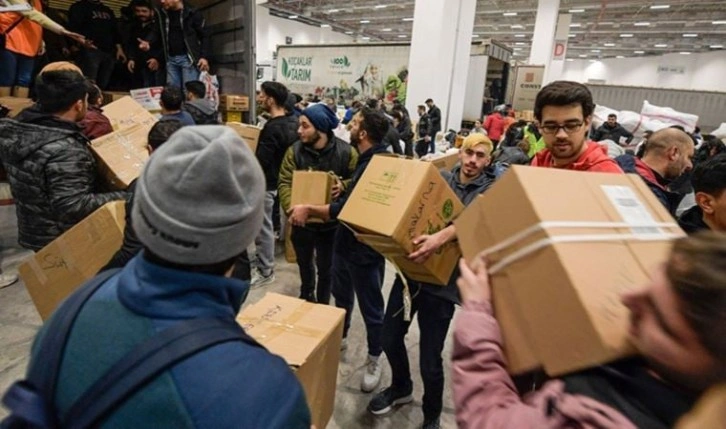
x=344, y=344
x=372, y=376
x=259, y=280
x=431, y=424
x=7, y=279
x=386, y=399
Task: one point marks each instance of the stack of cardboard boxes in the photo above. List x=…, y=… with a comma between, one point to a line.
x=232, y=107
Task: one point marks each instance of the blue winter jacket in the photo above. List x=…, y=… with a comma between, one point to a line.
x=229, y=385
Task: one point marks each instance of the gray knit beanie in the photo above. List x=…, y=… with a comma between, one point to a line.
x=200, y=198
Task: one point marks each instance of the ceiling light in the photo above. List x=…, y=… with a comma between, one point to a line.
x=380, y=6
x=620, y=56
x=474, y=35
x=520, y=43
x=519, y=35
x=685, y=53
x=642, y=24
x=510, y=14
x=292, y=16
x=661, y=45
x=626, y=35
x=718, y=22
x=364, y=21
x=690, y=35
x=575, y=25
x=571, y=35
x=385, y=29
x=348, y=32
x=325, y=26
x=569, y=60
x=516, y=53
x=407, y=19
x=594, y=50
x=516, y=49
x=333, y=10
x=716, y=46
x=639, y=52
x=582, y=56
x=402, y=36
x=365, y=38
x=577, y=10
x=609, y=45
x=517, y=26
x=660, y=6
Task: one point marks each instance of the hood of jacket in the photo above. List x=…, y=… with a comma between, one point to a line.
x=633, y=164
x=204, y=105
x=594, y=154
x=691, y=221
x=30, y=131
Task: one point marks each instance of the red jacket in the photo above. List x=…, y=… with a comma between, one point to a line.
x=595, y=158
x=494, y=126
x=95, y=124
x=485, y=395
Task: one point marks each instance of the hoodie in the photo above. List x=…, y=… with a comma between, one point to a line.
x=52, y=175
x=657, y=183
x=691, y=221
x=202, y=110
x=595, y=158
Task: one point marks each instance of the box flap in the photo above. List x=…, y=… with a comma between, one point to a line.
x=289, y=327
x=126, y=112
x=249, y=133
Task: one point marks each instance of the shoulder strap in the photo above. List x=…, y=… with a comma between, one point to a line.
x=13, y=25
x=147, y=361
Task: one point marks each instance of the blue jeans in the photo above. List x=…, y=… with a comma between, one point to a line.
x=365, y=282
x=98, y=66
x=180, y=70
x=15, y=69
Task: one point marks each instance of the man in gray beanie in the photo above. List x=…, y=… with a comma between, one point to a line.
x=198, y=205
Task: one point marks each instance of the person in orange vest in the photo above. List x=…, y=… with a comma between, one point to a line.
x=21, y=40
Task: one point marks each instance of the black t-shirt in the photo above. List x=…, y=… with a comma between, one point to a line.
x=176, y=34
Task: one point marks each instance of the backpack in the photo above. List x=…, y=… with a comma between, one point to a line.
x=31, y=401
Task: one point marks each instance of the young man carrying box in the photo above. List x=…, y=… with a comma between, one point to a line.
x=357, y=268
x=317, y=150
x=564, y=112
x=433, y=303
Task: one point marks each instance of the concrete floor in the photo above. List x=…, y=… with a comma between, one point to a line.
x=19, y=322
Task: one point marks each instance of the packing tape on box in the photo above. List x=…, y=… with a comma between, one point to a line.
x=273, y=328
x=654, y=234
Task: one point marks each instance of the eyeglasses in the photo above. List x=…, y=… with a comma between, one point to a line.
x=569, y=127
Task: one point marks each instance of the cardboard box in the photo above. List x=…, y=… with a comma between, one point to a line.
x=308, y=337
x=125, y=112
x=397, y=200
x=231, y=116
x=249, y=133
x=56, y=270
x=148, y=98
x=311, y=187
x=111, y=96
x=15, y=104
x=121, y=155
x=234, y=103
x=559, y=306
x=446, y=162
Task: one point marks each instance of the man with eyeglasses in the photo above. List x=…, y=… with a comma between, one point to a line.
x=564, y=112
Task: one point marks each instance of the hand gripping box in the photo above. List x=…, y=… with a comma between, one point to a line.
x=562, y=246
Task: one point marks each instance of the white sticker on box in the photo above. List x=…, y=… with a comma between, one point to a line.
x=631, y=209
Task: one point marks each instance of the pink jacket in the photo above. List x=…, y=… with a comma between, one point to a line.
x=485, y=395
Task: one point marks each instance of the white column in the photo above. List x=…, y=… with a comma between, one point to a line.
x=556, y=67
x=543, y=39
x=439, y=59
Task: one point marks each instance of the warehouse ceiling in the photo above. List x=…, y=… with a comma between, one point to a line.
x=599, y=29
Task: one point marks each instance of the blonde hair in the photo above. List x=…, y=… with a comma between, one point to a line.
x=476, y=139
x=61, y=65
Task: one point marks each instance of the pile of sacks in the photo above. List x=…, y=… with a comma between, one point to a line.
x=650, y=118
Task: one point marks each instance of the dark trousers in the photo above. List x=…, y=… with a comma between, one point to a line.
x=242, y=268
x=365, y=282
x=408, y=148
x=421, y=147
x=314, y=248
x=151, y=78
x=98, y=66
x=434, y=317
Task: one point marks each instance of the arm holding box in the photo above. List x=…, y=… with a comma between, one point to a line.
x=428, y=244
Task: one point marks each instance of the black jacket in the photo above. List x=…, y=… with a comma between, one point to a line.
x=404, y=130
x=691, y=220
x=277, y=135
x=435, y=116
x=131, y=244
x=52, y=175
x=96, y=22
x=424, y=126
x=149, y=33
x=391, y=139
x=346, y=245
x=195, y=34
x=606, y=132
x=466, y=193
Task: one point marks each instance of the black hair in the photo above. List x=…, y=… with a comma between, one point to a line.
x=161, y=131
x=290, y=103
x=298, y=97
x=94, y=92
x=196, y=88
x=58, y=90
x=276, y=90
x=421, y=106
x=172, y=97
x=428, y=100
x=218, y=268
x=140, y=3
x=612, y=115
x=397, y=114
x=372, y=103
x=564, y=93
x=374, y=123
x=710, y=176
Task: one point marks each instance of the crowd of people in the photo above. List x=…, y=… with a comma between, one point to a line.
x=204, y=197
